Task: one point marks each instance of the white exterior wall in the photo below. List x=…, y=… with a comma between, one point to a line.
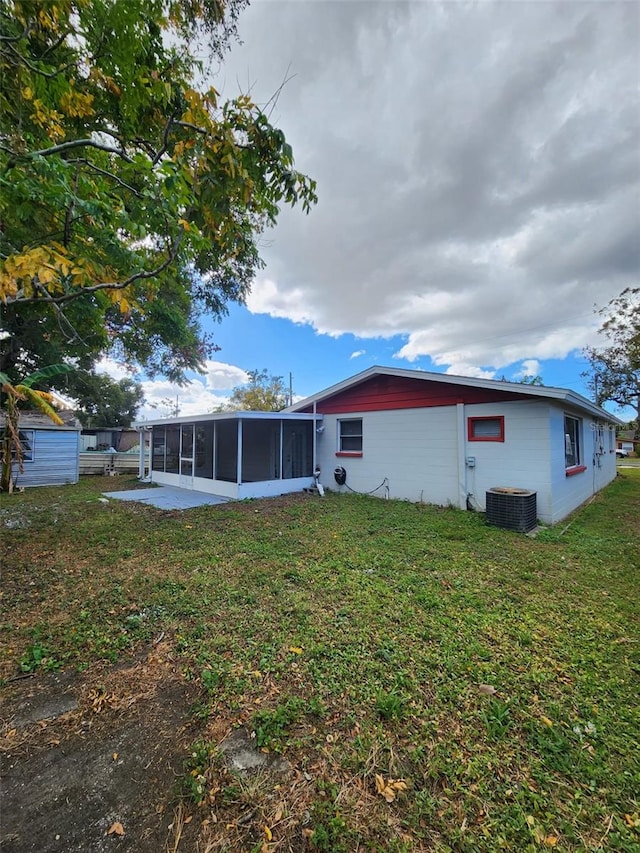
x=201, y=484
x=423, y=454
x=235, y=491
x=415, y=449
x=521, y=461
x=600, y=460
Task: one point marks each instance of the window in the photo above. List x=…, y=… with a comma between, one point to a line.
x=350, y=437
x=572, y=443
x=27, y=442
x=486, y=428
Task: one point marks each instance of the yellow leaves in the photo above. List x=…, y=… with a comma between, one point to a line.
x=193, y=98
x=390, y=788
x=116, y=828
x=48, y=119
x=632, y=820
x=296, y=650
x=75, y=104
x=546, y=721
x=267, y=833
x=27, y=93
x=45, y=266
x=119, y=298
x=550, y=841
x=98, y=76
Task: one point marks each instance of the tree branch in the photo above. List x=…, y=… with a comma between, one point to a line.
x=71, y=144
x=107, y=174
x=35, y=69
x=105, y=285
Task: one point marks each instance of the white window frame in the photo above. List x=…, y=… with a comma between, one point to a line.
x=341, y=451
x=573, y=442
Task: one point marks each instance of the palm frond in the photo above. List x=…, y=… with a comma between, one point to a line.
x=46, y=373
x=40, y=403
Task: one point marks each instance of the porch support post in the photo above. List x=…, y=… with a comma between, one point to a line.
x=315, y=439
x=239, y=471
x=281, y=449
x=141, y=467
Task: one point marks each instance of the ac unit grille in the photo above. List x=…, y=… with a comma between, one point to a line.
x=513, y=509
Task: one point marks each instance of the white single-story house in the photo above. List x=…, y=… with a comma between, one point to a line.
x=51, y=453
x=408, y=434
x=448, y=440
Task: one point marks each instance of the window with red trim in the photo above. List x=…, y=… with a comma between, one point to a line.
x=486, y=428
x=573, y=462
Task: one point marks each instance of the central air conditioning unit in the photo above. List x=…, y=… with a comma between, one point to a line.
x=513, y=509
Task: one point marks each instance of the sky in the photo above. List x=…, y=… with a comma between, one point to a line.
x=478, y=170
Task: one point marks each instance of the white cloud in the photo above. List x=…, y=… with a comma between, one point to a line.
x=114, y=369
x=223, y=377
x=197, y=397
x=477, y=171
x=358, y=353
x=529, y=367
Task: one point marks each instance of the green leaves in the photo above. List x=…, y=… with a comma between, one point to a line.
x=119, y=173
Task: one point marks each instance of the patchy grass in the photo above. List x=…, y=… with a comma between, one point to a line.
x=494, y=674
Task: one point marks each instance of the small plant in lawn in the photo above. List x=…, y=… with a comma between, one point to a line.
x=497, y=718
x=330, y=830
x=36, y=656
x=270, y=725
x=193, y=783
x=391, y=705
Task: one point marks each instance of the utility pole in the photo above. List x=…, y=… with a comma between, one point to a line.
x=290, y=388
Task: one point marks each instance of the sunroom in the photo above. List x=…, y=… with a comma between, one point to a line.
x=234, y=455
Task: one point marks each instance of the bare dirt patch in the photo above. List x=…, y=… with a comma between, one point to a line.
x=82, y=754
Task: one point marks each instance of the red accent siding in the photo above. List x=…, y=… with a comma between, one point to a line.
x=384, y=393
x=353, y=453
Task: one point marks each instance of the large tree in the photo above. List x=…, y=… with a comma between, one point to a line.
x=262, y=393
x=105, y=402
x=615, y=367
x=130, y=200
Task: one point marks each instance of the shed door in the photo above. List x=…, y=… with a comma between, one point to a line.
x=186, y=456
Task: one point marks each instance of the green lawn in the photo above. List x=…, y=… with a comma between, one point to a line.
x=364, y=638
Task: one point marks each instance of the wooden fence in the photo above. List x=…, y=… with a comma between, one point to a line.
x=96, y=462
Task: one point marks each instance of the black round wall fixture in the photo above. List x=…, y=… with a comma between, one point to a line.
x=340, y=476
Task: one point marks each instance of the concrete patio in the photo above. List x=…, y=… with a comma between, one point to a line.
x=167, y=497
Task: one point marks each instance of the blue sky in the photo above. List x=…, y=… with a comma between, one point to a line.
x=478, y=175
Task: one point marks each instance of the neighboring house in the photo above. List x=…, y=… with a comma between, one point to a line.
x=449, y=439
x=122, y=439
x=402, y=434
x=51, y=453
x=625, y=441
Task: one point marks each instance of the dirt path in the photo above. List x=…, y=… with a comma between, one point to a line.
x=83, y=754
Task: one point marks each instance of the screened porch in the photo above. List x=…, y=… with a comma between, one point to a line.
x=235, y=455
